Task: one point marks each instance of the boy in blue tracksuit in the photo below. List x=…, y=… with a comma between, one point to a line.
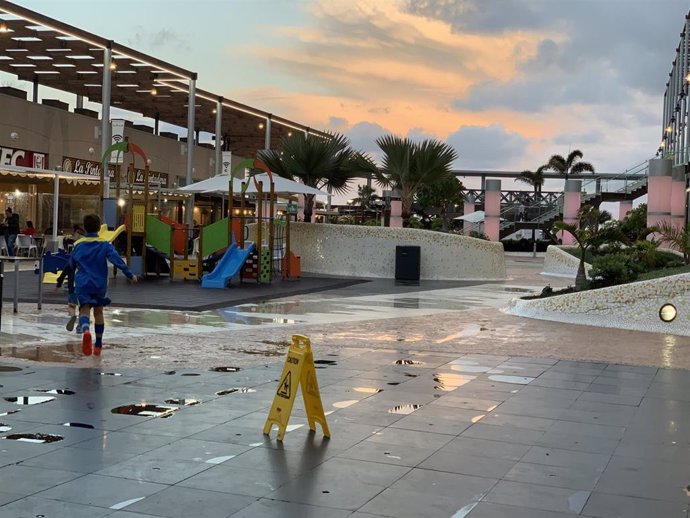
x=72, y=301
x=89, y=261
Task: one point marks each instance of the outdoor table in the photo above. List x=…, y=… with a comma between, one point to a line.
x=17, y=260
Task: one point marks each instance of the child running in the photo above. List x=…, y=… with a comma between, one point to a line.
x=72, y=302
x=89, y=261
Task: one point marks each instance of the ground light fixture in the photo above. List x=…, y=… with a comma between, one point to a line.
x=668, y=313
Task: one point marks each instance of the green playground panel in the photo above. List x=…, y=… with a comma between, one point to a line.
x=214, y=237
x=265, y=273
x=158, y=234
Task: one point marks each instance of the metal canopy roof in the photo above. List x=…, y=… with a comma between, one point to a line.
x=37, y=48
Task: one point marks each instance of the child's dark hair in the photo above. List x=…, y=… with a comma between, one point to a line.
x=92, y=223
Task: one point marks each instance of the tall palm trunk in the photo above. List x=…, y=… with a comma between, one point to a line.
x=581, y=277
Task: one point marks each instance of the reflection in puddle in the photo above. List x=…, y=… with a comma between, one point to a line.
x=407, y=362
x=29, y=400
x=449, y=381
x=62, y=392
x=5, y=427
x=79, y=425
x=519, y=380
x=345, y=404
x=478, y=418
x=183, y=402
x=239, y=390
x=405, y=409
x=110, y=374
x=224, y=369
x=220, y=460
x=145, y=410
x=170, y=373
x=36, y=438
x=367, y=390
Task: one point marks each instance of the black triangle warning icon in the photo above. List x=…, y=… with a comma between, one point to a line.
x=285, y=389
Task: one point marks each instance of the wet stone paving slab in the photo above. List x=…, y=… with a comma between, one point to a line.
x=414, y=434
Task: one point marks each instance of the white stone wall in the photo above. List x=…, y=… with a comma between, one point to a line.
x=361, y=251
x=560, y=263
x=628, y=306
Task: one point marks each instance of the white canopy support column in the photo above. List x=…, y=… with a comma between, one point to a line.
x=267, y=137
x=105, y=119
x=56, y=206
x=219, y=131
x=191, y=116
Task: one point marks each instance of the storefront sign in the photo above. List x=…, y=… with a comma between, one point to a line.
x=93, y=168
x=23, y=158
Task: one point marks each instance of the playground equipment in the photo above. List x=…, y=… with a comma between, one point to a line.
x=259, y=259
x=135, y=216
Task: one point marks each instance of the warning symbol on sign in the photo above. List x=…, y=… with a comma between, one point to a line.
x=285, y=388
x=300, y=362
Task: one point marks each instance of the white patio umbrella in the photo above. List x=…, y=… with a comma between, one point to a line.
x=281, y=186
x=472, y=217
x=214, y=184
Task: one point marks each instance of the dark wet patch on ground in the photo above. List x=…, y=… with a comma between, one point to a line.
x=224, y=369
x=38, y=438
x=29, y=400
x=145, y=410
x=80, y=425
x=239, y=390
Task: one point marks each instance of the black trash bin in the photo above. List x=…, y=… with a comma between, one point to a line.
x=407, y=263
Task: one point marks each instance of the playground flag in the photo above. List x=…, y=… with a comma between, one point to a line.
x=118, y=135
x=299, y=371
x=226, y=163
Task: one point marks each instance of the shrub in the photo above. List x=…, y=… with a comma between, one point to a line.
x=479, y=235
x=612, y=269
x=414, y=223
x=437, y=224
x=370, y=223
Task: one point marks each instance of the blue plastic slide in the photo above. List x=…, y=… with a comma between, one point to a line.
x=229, y=265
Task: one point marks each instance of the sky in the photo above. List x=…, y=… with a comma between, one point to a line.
x=507, y=83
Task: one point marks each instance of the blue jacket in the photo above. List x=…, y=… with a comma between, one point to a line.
x=89, y=259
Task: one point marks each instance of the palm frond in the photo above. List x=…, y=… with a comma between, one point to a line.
x=582, y=167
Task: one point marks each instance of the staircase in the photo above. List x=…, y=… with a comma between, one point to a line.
x=630, y=185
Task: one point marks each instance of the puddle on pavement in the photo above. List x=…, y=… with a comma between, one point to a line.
x=109, y=374
x=36, y=438
x=407, y=362
x=29, y=400
x=449, y=381
x=411, y=375
x=170, y=373
x=224, y=369
x=519, y=380
x=462, y=513
x=5, y=427
x=367, y=390
x=145, y=410
x=239, y=390
x=61, y=392
x=79, y=425
x=68, y=353
x=260, y=352
x=518, y=290
x=345, y=404
x=405, y=409
x=182, y=402
x=6, y=368
x=393, y=383
x=325, y=362
x=3, y=414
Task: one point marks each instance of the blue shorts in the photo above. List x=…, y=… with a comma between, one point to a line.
x=93, y=299
x=72, y=299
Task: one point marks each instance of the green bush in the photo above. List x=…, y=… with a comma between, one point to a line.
x=612, y=269
x=371, y=223
x=437, y=224
x=479, y=235
x=414, y=223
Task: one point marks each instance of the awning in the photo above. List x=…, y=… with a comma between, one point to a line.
x=219, y=185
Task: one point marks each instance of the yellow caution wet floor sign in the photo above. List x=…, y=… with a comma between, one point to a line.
x=299, y=371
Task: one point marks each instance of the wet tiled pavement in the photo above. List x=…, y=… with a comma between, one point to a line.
x=444, y=435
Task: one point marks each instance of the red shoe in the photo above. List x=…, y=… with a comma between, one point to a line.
x=97, y=350
x=86, y=343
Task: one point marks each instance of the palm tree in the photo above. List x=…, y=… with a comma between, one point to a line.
x=591, y=232
x=569, y=165
x=676, y=237
x=319, y=162
x=365, y=195
x=442, y=195
x=536, y=180
x=408, y=164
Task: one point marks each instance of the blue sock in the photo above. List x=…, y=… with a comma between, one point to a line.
x=99, y=334
x=84, y=322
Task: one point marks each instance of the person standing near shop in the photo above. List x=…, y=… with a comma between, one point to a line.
x=11, y=230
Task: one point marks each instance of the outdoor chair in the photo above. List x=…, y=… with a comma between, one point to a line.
x=25, y=244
